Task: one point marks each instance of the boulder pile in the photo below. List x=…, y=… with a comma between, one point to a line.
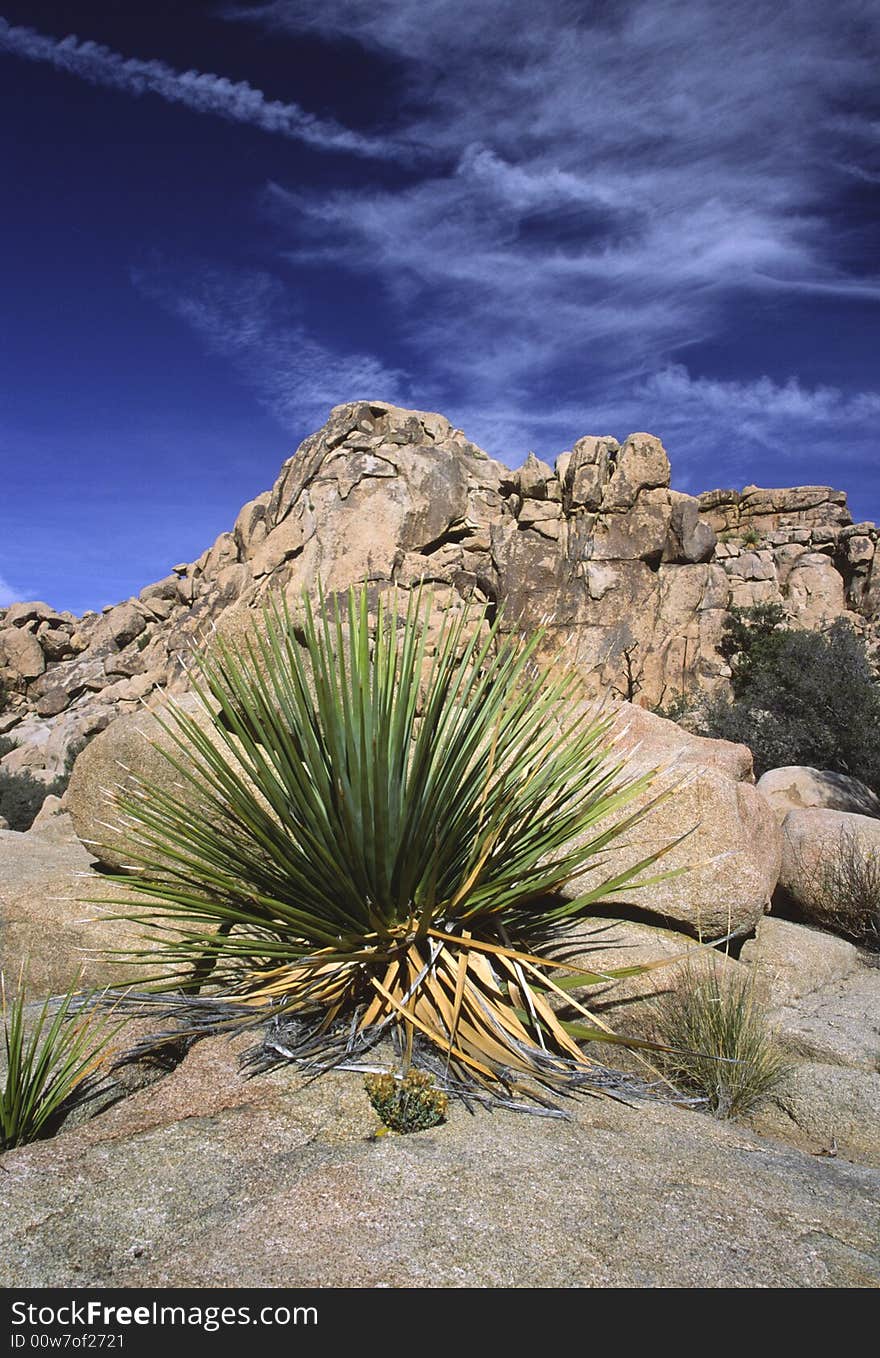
x=634, y=579
x=635, y=582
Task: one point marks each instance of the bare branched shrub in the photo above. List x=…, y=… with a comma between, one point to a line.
x=846, y=895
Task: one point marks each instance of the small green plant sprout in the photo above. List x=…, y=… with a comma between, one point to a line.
x=750, y=536
x=721, y=1045
x=407, y=1103
x=52, y=1061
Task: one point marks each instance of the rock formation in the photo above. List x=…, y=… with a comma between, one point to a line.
x=634, y=579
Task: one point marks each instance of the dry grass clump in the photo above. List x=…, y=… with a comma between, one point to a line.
x=723, y=1047
x=846, y=896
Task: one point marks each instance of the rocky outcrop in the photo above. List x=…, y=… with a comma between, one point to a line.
x=57, y=917
x=633, y=580
x=797, y=960
x=828, y=1109
x=131, y=747
x=628, y=1004
x=797, y=547
x=718, y=877
x=720, y=845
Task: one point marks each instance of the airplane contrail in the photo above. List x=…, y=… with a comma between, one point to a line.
x=201, y=91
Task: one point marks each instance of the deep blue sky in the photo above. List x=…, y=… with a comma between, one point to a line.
x=221, y=219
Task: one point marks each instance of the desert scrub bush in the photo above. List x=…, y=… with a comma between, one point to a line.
x=845, y=896
x=367, y=841
x=408, y=1103
x=677, y=709
x=22, y=795
x=721, y=1045
x=50, y=1063
x=799, y=697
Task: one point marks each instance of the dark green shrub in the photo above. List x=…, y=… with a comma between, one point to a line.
x=799, y=697
x=750, y=637
x=22, y=795
x=679, y=709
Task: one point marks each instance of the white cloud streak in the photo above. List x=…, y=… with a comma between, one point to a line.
x=762, y=430
x=789, y=401
x=616, y=179
x=201, y=91
x=247, y=318
x=750, y=419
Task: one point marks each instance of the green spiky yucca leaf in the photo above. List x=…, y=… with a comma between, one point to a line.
x=49, y=1061
x=367, y=833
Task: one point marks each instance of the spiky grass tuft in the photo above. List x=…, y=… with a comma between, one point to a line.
x=50, y=1062
x=721, y=1045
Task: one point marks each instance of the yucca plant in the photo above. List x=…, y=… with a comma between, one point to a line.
x=50, y=1062
x=366, y=841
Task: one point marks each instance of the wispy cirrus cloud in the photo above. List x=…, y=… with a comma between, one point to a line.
x=248, y=318
x=761, y=399
x=749, y=419
x=763, y=430
x=201, y=91
x=597, y=189
x=614, y=178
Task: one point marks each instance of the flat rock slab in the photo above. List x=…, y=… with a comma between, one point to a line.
x=269, y=1183
x=839, y=1024
x=827, y=1109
